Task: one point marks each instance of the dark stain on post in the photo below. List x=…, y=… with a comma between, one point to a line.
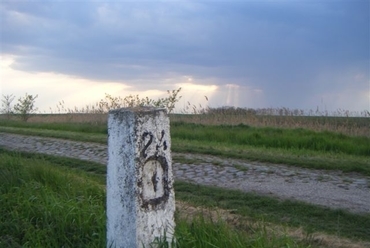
x=159, y=202
x=147, y=144
x=155, y=181
x=159, y=145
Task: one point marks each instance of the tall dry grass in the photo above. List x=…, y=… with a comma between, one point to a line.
x=94, y=118
x=353, y=126
x=349, y=123
x=341, y=121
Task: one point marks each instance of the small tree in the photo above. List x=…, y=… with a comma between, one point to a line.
x=25, y=106
x=6, y=105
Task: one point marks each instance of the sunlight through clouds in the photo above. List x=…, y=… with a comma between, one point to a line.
x=52, y=87
x=195, y=95
x=247, y=54
x=232, y=95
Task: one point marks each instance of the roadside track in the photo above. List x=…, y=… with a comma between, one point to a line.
x=332, y=189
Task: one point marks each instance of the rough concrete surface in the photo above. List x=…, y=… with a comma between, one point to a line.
x=333, y=189
x=140, y=196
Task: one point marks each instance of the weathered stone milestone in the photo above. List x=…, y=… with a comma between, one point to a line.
x=140, y=195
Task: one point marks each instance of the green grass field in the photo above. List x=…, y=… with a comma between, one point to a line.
x=44, y=204
x=49, y=201
x=41, y=195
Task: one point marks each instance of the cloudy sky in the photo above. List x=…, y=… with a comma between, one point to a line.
x=283, y=53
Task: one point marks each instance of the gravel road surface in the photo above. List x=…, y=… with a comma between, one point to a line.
x=333, y=189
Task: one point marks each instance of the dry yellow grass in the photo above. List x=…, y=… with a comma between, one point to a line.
x=354, y=126
x=69, y=118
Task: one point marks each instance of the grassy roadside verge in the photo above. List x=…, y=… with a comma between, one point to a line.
x=300, y=158
x=268, y=137
x=289, y=213
x=60, y=134
x=43, y=204
x=70, y=126
x=316, y=159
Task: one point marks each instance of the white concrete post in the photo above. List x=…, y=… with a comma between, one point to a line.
x=140, y=195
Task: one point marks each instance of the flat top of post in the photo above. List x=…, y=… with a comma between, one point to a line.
x=138, y=109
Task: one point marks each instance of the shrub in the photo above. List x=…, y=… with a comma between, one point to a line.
x=6, y=105
x=25, y=106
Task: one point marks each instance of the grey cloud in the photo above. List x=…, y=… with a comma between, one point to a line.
x=281, y=47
